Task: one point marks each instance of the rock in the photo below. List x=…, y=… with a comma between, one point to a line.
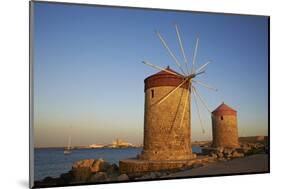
x=83, y=164
x=206, y=151
x=83, y=170
x=220, y=149
x=221, y=159
x=93, y=165
x=97, y=165
x=81, y=174
x=228, y=156
x=150, y=175
x=123, y=177
x=243, y=149
x=66, y=178
x=47, y=182
x=158, y=174
x=244, y=145
x=165, y=173
x=214, y=155
x=227, y=151
x=236, y=154
x=98, y=177
x=104, y=166
x=220, y=155
x=113, y=170
x=196, y=165
x=48, y=179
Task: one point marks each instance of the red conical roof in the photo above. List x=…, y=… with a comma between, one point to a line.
x=166, y=73
x=224, y=109
x=164, y=78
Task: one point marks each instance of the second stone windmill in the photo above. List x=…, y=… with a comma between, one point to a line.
x=167, y=124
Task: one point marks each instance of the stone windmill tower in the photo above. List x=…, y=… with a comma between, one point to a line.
x=167, y=108
x=167, y=124
x=224, y=127
x=167, y=128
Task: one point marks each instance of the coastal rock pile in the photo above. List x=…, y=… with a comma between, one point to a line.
x=86, y=171
x=245, y=149
x=225, y=153
x=90, y=169
x=253, y=148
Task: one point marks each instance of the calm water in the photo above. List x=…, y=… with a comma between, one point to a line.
x=53, y=162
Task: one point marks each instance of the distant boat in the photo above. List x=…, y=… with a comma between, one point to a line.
x=68, y=149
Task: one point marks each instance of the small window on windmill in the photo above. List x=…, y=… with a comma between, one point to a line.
x=152, y=93
x=221, y=117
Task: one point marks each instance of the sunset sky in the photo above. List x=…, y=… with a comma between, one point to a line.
x=88, y=75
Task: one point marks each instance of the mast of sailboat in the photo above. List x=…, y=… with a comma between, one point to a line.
x=69, y=142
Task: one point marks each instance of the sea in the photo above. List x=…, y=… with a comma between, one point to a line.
x=52, y=162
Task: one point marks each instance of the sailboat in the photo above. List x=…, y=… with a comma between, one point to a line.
x=68, y=149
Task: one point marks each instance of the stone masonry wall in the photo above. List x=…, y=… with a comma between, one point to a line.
x=164, y=138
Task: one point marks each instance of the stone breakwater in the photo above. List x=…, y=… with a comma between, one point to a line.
x=245, y=149
x=92, y=171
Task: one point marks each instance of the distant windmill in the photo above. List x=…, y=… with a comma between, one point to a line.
x=161, y=112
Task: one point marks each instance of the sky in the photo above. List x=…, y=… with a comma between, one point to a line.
x=89, y=79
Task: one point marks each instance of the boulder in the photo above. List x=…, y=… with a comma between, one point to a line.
x=104, y=166
x=244, y=145
x=113, y=170
x=48, y=179
x=222, y=159
x=150, y=175
x=83, y=163
x=83, y=170
x=81, y=174
x=158, y=174
x=196, y=165
x=98, y=177
x=220, y=155
x=122, y=177
x=220, y=149
x=97, y=165
x=206, y=151
x=214, y=155
x=244, y=149
x=66, y=178
x=236, y=154
x=227, y=151
x=46, y=182
x=93, y=165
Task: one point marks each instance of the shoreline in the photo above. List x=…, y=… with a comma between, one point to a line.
x=256, y=163
x=250, y=157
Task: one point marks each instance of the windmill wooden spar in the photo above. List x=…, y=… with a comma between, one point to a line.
x=167, y=107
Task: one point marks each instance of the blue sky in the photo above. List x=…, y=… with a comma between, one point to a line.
x=88, y=74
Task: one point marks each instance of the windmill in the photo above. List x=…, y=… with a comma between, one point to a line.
x=161, y=143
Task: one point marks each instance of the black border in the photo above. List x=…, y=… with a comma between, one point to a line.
x=31, y=185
